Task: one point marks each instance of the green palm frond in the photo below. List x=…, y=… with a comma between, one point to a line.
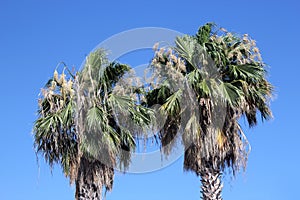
x=172, y=104
x=141, y=115
x=56, y=140
x=67, y=114
x=203, y=88
x=113, y=72
x=158, y=96
x=185, y=46
x=247, y=72
x=120, y=103
x=204, y=33
x=96, y=116
x=134, y=115
x=230, y=93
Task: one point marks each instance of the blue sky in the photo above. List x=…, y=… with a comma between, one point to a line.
x=36, y=35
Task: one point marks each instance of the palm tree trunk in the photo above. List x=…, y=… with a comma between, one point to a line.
x=211, y=184
x=86, y=188
x=87, y=191
x=91, y=178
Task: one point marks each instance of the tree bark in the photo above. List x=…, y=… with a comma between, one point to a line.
x=91, y=178
x=87, y=191
x=211, y=187
x=86, y=186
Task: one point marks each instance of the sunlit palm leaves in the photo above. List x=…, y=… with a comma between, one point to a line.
x=78, y=126
x=105, y=117
x=55, y=134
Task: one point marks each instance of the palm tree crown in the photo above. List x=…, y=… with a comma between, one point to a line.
x=228, y=79
x=77, y=126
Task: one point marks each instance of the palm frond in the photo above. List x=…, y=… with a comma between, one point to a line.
x=204, y=33
x=230, y=93
x=172, y=104
x=185, y=46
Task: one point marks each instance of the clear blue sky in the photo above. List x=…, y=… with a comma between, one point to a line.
x=36, y=35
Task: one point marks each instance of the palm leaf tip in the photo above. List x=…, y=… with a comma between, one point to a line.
x=204, y=32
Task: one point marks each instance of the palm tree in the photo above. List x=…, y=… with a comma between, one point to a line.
x=77, y=125
x=228, y=79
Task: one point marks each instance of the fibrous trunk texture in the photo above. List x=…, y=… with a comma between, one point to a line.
x=88, y=191
x=211, y=188
x=92, y=177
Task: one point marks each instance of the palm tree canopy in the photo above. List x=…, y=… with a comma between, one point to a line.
x=77, y=120
x=228, y=79
x=101, y=107
x=54, y=130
